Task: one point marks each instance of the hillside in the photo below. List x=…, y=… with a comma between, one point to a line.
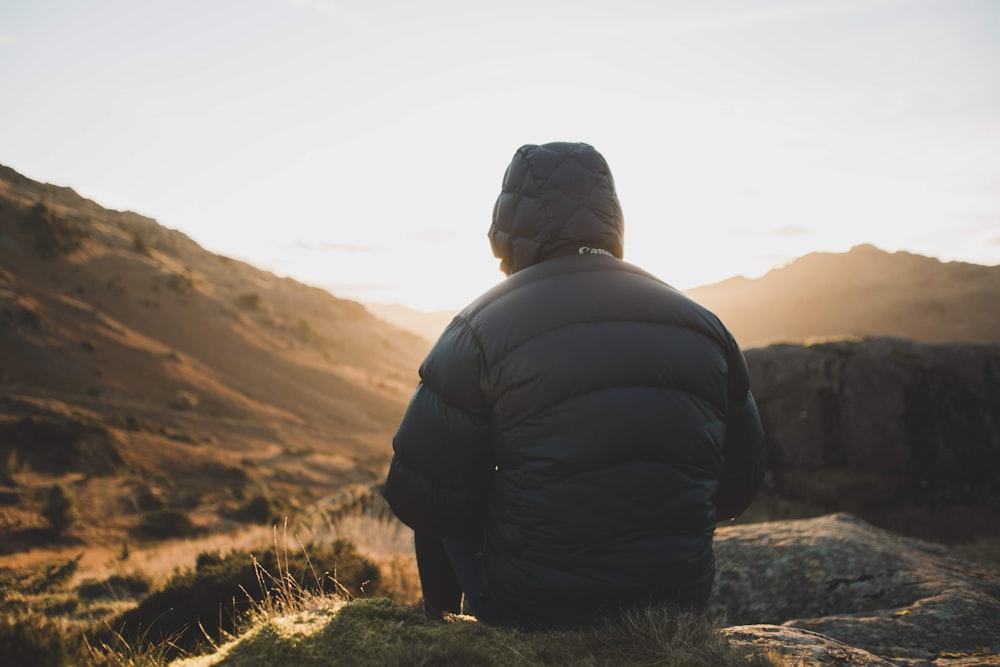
x=863, y=292
x=428, y=325
x=153, y=376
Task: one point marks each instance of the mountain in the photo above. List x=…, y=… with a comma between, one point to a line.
x=428, y=325
x=863, y=292
x=152, y=375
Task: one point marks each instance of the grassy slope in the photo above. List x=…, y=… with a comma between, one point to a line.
x=380, y=632
x=208, y=380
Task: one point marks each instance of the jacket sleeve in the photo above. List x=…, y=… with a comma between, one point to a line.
x=442, y=467
x=743, y=448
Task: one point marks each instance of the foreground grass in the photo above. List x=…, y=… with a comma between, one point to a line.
x=383, y=633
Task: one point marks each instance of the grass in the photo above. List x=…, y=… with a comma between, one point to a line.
x=384, y=633
x=308, y=618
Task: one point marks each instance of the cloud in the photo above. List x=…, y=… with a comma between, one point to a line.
x=995, y=240
x=330, y=246
x=7, y=40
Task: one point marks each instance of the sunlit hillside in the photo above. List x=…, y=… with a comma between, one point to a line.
x=863, y=292
x=155, y=379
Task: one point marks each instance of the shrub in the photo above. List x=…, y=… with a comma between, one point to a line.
x=184, y=400
x=54, y=577
x=117, y=586
x=222, y=590
x=62, y=443
x=140, y=246
x=60, y=510
x=249, y=301
x=55, y=236
x=167, y=523
x=258, y=509
x=38, y=641
x=180, y=283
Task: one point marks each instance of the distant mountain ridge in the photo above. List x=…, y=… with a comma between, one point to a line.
x=863, y=292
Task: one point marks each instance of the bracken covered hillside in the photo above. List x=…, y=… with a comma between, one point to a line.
x=151, y=375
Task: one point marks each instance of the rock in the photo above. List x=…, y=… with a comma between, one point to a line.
x=801, y=647
x=878, y=427
x=901, y=599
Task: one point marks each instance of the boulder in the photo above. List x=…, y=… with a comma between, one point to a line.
x=900, y=599
x=881, y=426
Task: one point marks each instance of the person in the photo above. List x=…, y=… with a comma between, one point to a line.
x=579, y=429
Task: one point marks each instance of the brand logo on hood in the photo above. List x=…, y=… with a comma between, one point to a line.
x=584, y=250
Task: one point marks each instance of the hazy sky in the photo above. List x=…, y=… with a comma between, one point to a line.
x=359, y=145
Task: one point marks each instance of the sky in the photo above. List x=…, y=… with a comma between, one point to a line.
x=359, y=145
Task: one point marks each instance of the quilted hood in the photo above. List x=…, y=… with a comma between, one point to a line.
x=556, y=199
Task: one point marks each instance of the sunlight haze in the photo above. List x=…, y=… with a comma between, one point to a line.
x=360, y=146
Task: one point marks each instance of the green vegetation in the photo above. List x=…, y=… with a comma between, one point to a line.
x=323, y=603
x=180, y=283
x=215, y=598
x=167, y=523
x=55, y=236
x=37, y=640
x=15, y=316
x=381, y=632
x=60, y=509
x=61, y=443
x=259, y=508
x=293, y=609
x=184, y=400
x=249, y=301
x=117, y=586
x=140, y=245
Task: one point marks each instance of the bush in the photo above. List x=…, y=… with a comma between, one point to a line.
x=55, y=577
x=167, y=523
x=184, y=400
x=116, y=587
x=180, y=283
x=37, y=641
x=140, y=246
x=59, y=443
x=258, y=509
x=222, y=590
x=249, y=301
x=54, y=236
x=60, y=510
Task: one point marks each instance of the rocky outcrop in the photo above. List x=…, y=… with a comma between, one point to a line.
x=878, y=424
x=898, y=599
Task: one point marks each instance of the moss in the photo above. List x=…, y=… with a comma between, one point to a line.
x=381, y=632
x=215, y=599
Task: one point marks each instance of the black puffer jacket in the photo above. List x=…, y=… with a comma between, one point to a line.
x=589, y=420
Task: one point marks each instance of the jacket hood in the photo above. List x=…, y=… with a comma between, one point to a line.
x=556, y=199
